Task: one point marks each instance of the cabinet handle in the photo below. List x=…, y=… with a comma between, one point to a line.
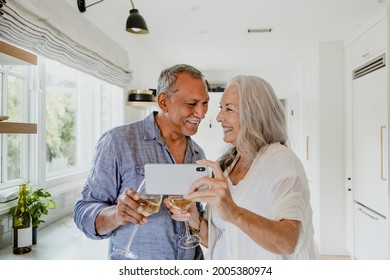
x=307, y=148
x=382, y=161
x=371, y=216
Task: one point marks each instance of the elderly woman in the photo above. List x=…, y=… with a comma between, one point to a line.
x=258, y=201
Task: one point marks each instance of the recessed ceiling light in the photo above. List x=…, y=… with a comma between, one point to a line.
x=196, y=8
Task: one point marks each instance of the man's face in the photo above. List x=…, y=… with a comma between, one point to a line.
x=188, y=105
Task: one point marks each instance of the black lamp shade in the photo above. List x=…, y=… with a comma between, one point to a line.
x=136, y=23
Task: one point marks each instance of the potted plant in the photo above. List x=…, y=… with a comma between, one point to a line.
x=39, y=202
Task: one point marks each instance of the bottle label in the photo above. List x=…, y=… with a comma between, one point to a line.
x=24, y=237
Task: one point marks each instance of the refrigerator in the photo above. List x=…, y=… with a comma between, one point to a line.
x=371, y=194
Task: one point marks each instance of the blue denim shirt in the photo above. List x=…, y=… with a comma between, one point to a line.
x=118, y=163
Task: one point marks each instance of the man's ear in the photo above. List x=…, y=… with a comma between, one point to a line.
x=162, y=100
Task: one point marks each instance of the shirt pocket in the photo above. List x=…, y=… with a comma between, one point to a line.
x=139, y=176
x=140, y=170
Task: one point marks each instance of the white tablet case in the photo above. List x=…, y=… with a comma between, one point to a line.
x=173, y=179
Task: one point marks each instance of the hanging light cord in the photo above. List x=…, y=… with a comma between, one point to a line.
x=132, y=3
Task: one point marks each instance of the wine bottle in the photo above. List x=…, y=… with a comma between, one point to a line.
x=22, y=225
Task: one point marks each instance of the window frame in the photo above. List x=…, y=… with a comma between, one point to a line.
x=25, y=141
x=35, y=145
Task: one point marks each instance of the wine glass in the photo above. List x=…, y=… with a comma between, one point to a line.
x=188, y=241
x=150, y=204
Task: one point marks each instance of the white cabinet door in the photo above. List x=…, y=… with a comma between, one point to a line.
x=370, y=136
x=371, y=235
x=309, y=107
x=370, y=44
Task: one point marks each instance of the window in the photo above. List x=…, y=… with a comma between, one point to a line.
x=72, y=110
x=79, y=108
x=61, y=114
x=14, y=147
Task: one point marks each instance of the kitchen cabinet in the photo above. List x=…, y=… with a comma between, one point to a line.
x=322, y=142
x=309, y=97
x=370, y=135
x=370, y=44
x=367, y=88
x=371, y=234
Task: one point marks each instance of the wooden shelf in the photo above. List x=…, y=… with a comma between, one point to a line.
x=13, y=127
x=141, y=104
x=11, y=55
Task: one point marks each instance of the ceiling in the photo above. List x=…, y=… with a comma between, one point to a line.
x=213, y=34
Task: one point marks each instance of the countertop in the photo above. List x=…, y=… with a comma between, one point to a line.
x=61, y=241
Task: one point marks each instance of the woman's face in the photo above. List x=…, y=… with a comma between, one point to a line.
x=228, y=116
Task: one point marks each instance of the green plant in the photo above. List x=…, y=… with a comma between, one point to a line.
x=39, y=202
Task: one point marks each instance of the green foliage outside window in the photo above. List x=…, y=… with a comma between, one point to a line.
x=15, y=89
x=61, y=130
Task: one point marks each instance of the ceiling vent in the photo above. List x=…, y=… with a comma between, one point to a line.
x=259, y=30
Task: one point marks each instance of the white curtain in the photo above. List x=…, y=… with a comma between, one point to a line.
x=54, y=30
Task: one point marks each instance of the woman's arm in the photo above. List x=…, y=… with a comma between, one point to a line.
x=279, y=237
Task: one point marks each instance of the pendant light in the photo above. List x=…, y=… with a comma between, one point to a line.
x=135, y=22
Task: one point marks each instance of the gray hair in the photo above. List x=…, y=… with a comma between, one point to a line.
x=262, y=119
x=168, y=78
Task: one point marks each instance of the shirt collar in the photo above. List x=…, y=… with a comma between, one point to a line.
x=151, y=130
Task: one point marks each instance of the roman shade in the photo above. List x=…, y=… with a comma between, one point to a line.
x=57, y=31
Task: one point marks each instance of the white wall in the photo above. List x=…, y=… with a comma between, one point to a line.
x=280, y=80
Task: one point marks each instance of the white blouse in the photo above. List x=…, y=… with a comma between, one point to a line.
x=276, y=188
x=219, y=252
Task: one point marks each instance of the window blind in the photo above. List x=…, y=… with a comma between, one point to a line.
x=26, y=26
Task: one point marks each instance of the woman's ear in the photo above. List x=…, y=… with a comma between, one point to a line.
x=162, y=100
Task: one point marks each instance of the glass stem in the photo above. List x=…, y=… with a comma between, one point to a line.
x=187, y=229
x=131, y=238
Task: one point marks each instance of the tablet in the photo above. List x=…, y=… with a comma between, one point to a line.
x=172, y=179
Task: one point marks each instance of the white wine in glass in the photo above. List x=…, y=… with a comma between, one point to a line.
x=188, y=241
x=180, y=202
x=150, y=204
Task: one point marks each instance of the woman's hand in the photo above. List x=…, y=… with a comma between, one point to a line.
x=176, y=213
x=192, y=214
x=217, y=195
